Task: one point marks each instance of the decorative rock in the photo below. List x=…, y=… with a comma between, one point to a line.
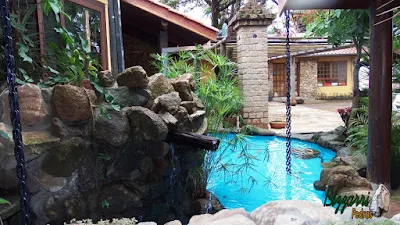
x=234, y=220
x=181, y=115
x=293, y=212
x=146, y=124
x=190, y=106
x=199, y=103
x=106, y=78
x=339, y=178
x=31, y=106
x=396, y=218
x=35, y=142
x=182, y=85
x=126, y=96
x=159, y=85
x=118, y=124
x=175, y=222
x=169, y=102
x=197, y=120
x=72, y=103
x=169, y=119
x=65, y=159
x=147, y=223
x=48, y=182
x=307, y=153
x=120, y=199
x=58, y=128
x=135, y=77
x=146, y=165
x=156, y=149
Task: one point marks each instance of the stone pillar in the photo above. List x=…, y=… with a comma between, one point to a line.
x=308, y=78
x=250, y=24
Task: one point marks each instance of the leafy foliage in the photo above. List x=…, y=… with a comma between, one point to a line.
x=3, y=201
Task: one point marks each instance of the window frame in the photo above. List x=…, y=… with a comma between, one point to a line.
x=331, y=77
x=90, y=4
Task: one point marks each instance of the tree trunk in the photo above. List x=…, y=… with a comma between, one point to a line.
x=215, y=13
x=356, y=80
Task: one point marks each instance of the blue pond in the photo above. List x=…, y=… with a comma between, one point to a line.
x=262, y=178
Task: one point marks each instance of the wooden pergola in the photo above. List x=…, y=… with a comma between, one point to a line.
x=380, y=89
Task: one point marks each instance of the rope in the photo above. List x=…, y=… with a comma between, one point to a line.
x=14, y=110
x=288, y=108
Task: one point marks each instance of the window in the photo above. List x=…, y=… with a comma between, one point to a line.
x=332, y=73
x=87, y=20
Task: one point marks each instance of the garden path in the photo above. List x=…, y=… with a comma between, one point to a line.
x=310, y=117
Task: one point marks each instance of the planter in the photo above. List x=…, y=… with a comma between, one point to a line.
x=327, y=84
x=395, y=177
x=277, y=124
x=270, y=98
x=342, y=84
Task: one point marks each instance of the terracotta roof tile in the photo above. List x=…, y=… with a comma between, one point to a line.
x=345, y=51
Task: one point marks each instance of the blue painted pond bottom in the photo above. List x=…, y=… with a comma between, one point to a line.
x=250, y=172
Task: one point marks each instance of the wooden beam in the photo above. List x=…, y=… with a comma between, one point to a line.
x=194, y=140
x=174, y=16
x=321, y=4
x=380, y=97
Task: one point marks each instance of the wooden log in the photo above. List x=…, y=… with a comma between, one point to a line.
x=194, y=140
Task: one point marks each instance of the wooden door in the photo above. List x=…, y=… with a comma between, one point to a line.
x=279, y=79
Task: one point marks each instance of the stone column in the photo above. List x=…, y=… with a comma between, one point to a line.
x=250, y=24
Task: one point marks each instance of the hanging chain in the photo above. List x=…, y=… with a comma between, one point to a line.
x=14, y=110
x=288, y=108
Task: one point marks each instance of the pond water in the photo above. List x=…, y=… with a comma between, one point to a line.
x=252, y=177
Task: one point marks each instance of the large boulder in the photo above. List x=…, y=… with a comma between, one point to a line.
x=169, y=102
x=182, y=84
x=118, y=124
x=207, y=219
x=126, y=96
x=159, y=85
x=66, y=158
x=293, y=212
x=135, y=77
x=30, y=99
x=146, y=124
x=73, y=103
x=307, y=153
x=341, y=178
x=118, y=199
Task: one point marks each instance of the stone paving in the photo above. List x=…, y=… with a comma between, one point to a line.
x=313, y=116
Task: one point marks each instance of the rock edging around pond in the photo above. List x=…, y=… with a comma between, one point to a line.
x=86, y=160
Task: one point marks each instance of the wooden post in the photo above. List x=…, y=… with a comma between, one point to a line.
x=380, y=97
x=163, y=36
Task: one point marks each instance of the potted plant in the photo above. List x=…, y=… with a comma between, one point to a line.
x=278, y=124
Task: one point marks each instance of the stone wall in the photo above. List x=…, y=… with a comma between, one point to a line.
x=308, y=78
x=96, y=162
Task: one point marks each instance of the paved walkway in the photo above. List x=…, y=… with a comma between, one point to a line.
x=315, y=116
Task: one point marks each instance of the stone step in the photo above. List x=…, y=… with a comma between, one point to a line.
x=7, y=211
